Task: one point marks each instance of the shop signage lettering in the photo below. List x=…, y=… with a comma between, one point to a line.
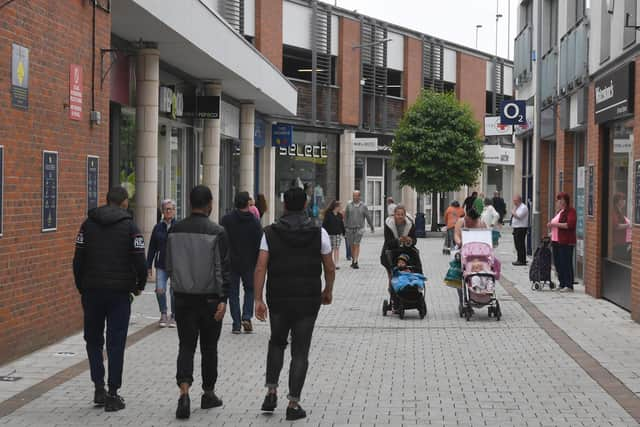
x=93, y=165
x=75, y=92
x=1, y=186
x=493, y=127
x=49, y=190
x=281, y=135
x=497, y=155
x=365, y=144
x=20, y=77
x=580, y=203
x=318, y=151
x=614, y=94
x=208, y=107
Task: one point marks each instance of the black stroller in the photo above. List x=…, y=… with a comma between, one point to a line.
x=411, y=297
x=540, y=271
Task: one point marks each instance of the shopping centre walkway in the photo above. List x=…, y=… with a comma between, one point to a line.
x=553, y=360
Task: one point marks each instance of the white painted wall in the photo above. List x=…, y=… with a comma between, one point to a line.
x=573, y=110
x=489, y=76
x=250, y=17
x=296, y=24
x=595, y=23
x=449, y=66
x=335, y=34
x=508, y=81
x=395, y=51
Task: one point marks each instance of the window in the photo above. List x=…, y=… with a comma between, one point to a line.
x=605, y=35
x=525, y=15
x=630, y=14
x=394, y=83
x=296, y=64
x=549, y=25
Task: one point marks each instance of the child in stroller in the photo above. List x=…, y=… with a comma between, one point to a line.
x=480, y=270
x=406, y=290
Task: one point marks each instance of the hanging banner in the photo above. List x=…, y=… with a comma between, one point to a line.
x=590, y=192
x=1, y=187
x=580, y=210
x=93, y=164
x=20, y=77
x=75, y=92
x=49, y=190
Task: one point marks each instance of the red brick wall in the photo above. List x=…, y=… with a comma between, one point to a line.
x=38, y=300
x=593, y=228
x=269, y=30
x=412, y=84
x=471, y=80
x=564, y=158
x=635, y=272
x=348, y=72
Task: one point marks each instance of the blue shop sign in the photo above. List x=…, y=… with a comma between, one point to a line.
x=281, y=135
x=258, y=133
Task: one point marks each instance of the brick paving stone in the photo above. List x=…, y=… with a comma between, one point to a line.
x=366, y=369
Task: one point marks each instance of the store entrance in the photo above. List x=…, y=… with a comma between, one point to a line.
x=616, y=209
x=172, y=165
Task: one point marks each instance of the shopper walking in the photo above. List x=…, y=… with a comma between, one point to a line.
x=157, y=252
x=451, y=216
x=294, y=253
x=468, y=202
x=563, y=239
x=244, y=233
x=355, y=216
x=399, y=232
x=108, y=265
x=334, y=226
x=261, y=204
x=499, y=205
x=520, y=225
x=490, y=215
x=199, y=267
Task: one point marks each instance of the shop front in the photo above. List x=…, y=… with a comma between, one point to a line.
x=497, y=171
x=311, y=163
x=614, y=114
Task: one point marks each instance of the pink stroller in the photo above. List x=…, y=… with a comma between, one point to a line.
x=480, y=270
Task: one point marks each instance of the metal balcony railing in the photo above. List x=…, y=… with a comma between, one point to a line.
x=549, y=77
x=573, y=58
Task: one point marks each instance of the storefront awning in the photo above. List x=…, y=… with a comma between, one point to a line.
x=195, y=39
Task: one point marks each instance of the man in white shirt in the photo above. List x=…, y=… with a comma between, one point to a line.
x=520, y=225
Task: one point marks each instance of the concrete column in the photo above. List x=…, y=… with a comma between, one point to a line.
x=247, y=130
x=268, y=177
x=409, y=200
x=211, y=152
x=347, y=166
x=147, y=87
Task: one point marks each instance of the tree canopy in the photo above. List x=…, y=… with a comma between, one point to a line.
x=437, y=146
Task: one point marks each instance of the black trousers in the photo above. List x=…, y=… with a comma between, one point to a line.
x=563, y=260
x=114, y=307
x=194, y=318
x=301, y=331
x=519, y=240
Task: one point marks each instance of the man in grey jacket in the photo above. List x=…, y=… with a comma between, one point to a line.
x=355, y=215
x=200, y=270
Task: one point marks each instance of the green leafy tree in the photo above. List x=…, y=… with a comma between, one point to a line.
x=437, y=146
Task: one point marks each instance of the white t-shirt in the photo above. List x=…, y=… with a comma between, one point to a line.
x=521, y=218
x=325, y=242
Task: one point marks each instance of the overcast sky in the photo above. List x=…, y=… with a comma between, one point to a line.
x=452, y=20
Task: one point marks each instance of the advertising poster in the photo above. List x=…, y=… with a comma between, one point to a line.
x=20, y=77
x=49, y=190
x=75, y=92
x=93, y=165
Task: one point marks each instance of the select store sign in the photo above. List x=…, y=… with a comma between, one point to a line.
x=614, y=94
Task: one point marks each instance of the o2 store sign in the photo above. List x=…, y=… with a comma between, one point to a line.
x=614, y=94
x=315, y=151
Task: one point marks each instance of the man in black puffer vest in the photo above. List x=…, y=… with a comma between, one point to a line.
x=293, y=251
x=108, y=265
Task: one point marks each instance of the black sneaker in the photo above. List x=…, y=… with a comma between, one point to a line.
x=355, y=265
x=113, y=402
x=270, y=402
x=247, y=326
x=99, y=396
x=184, y=407
x=295, y=413
x=210, y=400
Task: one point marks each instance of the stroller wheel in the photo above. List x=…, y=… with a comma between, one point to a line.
x=552, y=285
x=401, y=311
x=467, y=314
x=498, y=311
x=385, y=307
x=536, y=286
x=422, y=309
x=490, y=311
x=460, y=310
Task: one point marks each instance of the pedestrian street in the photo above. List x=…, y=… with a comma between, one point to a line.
x=370, y=370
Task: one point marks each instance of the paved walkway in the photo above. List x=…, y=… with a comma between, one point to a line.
x=371, y=370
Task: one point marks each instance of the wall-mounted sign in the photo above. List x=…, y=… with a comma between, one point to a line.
x=590, y=179
x=560, y=180
x=259, y=132
x=208, y=107
x=498, y=155
x=281, y=135
x=365, y=144
x=308, y=151
x=580, y=202
x=75, y=92
x=493, y=127
x=49, y=190
x=636, y=214
x=20, y=77
x=513, y=112
x=623, y=145
x=1, y=187
x=93, y=169
x=614, y=94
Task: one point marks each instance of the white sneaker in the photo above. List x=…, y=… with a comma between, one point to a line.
x=172, y=323
x=565, y=289
x=163, y=321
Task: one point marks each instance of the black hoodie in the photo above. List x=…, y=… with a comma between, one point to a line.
x=109, y=252
x=244, y=232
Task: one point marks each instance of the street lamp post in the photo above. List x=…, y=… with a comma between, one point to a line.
x=478, y=26
x=495, y=64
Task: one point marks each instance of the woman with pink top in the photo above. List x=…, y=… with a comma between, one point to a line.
x=253, y=209
x=563, y=239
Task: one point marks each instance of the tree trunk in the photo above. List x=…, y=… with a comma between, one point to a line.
x=434, y=212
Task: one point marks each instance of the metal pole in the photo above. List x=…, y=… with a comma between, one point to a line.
x=536, y=226
x=509, y=29
x=477, y=28
x=495, y=65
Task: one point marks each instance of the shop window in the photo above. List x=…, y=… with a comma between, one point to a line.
x=127, y=152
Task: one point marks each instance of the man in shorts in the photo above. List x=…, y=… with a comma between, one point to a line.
x=355, y=216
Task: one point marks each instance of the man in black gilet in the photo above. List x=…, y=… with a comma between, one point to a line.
x=293, y=251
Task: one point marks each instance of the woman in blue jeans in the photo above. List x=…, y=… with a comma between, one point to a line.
x=157, y=251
